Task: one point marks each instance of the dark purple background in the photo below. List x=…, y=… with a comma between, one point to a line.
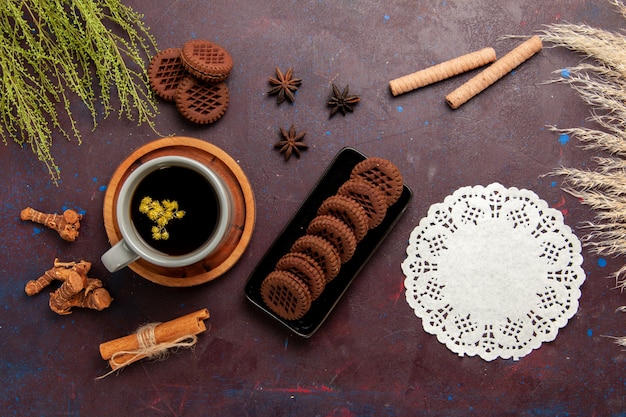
x=372, y=357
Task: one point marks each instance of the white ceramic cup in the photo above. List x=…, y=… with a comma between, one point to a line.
x=133, y=247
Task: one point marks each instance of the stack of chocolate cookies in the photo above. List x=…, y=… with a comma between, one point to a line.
x=194, y=78
x=331, y=238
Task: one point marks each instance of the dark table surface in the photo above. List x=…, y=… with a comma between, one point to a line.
x=372, y=356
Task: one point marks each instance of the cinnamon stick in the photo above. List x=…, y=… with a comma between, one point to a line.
x=442, y=71
x=494, y=72
x=188, y=325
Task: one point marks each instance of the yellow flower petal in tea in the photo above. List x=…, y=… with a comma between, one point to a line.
x=160, y=213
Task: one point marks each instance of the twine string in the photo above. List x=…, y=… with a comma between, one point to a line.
x=147, y=339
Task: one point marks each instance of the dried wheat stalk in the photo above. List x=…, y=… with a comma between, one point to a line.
x=601, y=83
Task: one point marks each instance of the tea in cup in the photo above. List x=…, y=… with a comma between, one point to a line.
x=172, y=211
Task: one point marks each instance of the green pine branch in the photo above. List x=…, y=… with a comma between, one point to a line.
x=53, y=50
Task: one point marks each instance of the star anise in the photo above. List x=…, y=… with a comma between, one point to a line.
x=291, y=143
x=342, y=101
x=284, y=85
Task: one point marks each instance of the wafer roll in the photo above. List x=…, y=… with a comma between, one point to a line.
x=442, y=71
x=494, y=72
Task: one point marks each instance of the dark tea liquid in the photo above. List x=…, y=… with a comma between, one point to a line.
x=194, y=195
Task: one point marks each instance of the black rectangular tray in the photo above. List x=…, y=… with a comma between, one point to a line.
x=335, y=175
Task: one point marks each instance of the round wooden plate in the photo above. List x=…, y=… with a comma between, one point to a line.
x=239, y=232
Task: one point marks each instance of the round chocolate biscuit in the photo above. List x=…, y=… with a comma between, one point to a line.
x=369, y=197
x=206, y=60
x=165, y=73
x=322, y=251
x=305, y=268
x=201, y=102
x=348, y=211
x=382, y=174
x=285, y=295
x=336, y=232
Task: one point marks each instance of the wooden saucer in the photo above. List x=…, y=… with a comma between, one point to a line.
x=238, y=234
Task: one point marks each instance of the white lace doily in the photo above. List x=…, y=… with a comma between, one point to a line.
x=493, y=272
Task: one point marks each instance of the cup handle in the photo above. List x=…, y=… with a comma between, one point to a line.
x=118, y=257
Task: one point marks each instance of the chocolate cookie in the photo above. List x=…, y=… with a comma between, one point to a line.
x=165, y=73
x=336, y=232
x=286, y=295
x=305, y=268
x=206, y=60
x=201, y=102
x=369, y=197
x=348, y=211
x=382, y=174
x=322, y=251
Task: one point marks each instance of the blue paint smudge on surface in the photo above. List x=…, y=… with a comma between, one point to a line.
x=563, y=138
x=400, y=109
x=589, y=332
x=36, y=230
x=601, y=262
x=102, y=188
x=557, y=410
x=386, y=18
x=553, y=184
x=565, y=73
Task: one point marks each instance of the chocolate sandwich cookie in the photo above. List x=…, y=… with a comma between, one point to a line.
x=201, y=102
x=165, y=73
x=348, y=211
x=382, y=174
x=322, y=251
x=286, y=295
x=369, y=197
x=306, y=269
x=336, y=232
x=206, y=60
